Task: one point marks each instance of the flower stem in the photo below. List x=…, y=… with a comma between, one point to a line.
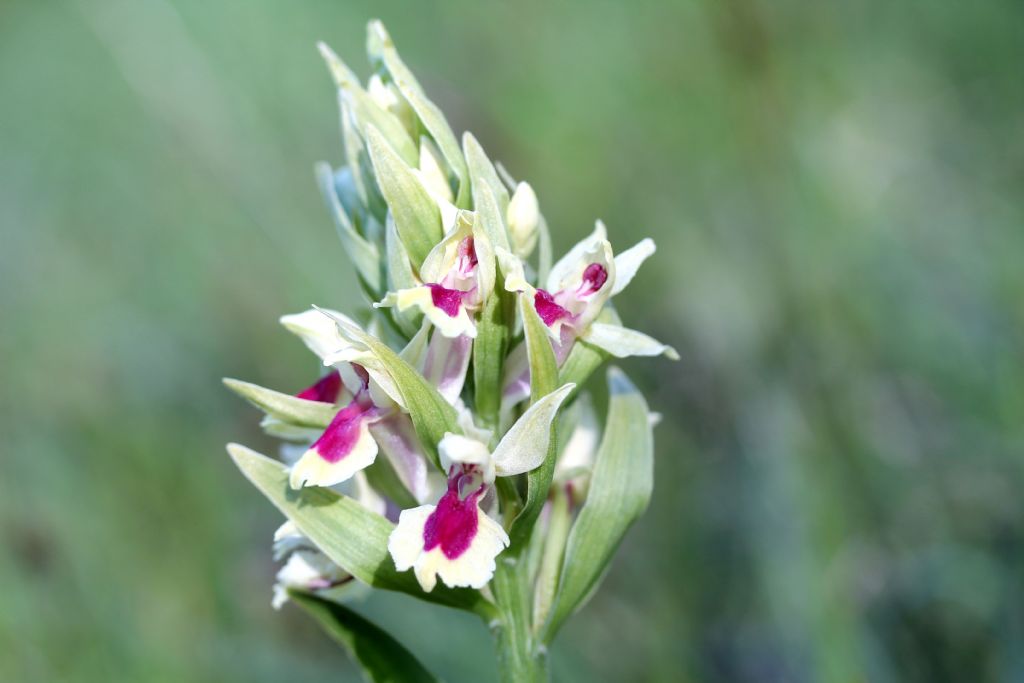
x=520, y=657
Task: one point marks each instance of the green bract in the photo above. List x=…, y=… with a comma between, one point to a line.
x=444, y=452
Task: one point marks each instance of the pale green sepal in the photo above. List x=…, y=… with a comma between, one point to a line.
x=291, y=409
x=525, y=446
x=482, y=174
x=359, y=161
x=353, y=537
x=417, y=218
x=430, y=114
x=623, y=342
x=382, y=658
x=286, y=431
x=363, y=254
x=620, y=489
x=400, y=276
x=583, y=359
x=489, y=216
x=415, y=352
x=368, y=113
x=628, y=263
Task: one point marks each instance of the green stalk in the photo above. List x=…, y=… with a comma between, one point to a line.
x=520, y=658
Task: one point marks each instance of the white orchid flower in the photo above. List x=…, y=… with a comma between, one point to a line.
x=455, y=539
x=456, y=277
x=371, y=418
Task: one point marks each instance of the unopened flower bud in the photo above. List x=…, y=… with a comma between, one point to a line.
x=523, y=220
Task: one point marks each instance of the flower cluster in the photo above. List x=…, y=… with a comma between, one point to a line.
x=453, y=409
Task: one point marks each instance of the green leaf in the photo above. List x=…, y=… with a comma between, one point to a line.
x=431, y=415
x=492, y=334
x=543, y=381
x=416, y=215
x=290, y=409
x=620, y=488
x=353, y=537
x=363, y=254
x=383, y=658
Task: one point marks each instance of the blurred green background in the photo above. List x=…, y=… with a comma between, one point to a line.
x=835, y=189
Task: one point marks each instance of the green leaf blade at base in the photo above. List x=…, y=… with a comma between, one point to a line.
x=620, y=489
x=382, y=658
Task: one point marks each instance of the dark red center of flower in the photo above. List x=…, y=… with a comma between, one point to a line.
x=448, y=300
x=453, y=524
x=341, y=435
x=363, y=375
x=467, y=255
x=594, y=278
x=325, y=390
x=547, y=309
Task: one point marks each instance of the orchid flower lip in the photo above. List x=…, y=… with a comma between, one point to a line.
x=548, y=309
x=448, y=300
x=324, y=390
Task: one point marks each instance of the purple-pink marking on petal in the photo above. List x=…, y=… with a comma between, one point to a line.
x=594, y=278
x=453, y=524
x=547, y=309
x=341, y=435
x=467, y=259
x=448, y=300
x=325, y=390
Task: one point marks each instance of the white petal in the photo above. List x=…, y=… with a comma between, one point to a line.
x=405, y=544
x=313, y=470
x=568, y=263
x=486, y=271
x=358, y=351
x=622, y=342
x=422, y=298
x=397, y=438
x=524, y=445
x=455, y=448
x=317, y=330
x=442, y=258
x=432, y=171
x=513, y=270
x=473, y=568
x=446, y=364
x=629, y=261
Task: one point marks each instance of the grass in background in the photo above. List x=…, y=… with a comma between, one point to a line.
x=835, y=195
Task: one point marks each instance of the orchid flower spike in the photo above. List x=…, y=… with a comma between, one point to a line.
x=455, y=539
